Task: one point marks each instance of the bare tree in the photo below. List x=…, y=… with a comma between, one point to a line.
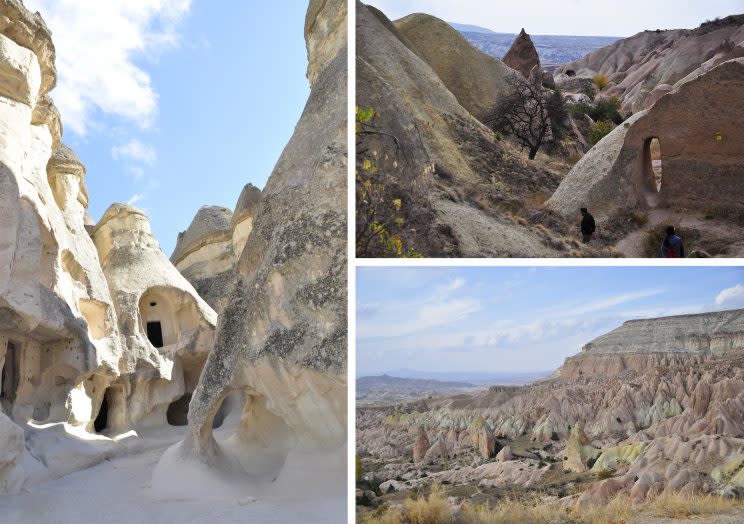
x=523, y=114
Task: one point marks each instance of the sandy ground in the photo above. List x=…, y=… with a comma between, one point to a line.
x=737, y=517
x=118, y=490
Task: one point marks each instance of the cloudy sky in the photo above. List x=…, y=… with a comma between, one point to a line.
x=567, y=17
x=512, y=319
x=174, y=104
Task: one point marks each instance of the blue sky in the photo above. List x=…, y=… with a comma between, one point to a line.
x=513, y=319
x=567, y=17
x=175, y=104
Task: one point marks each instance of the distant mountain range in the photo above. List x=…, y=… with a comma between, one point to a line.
x=553, y=50
x=387, y=389
x=480, y=378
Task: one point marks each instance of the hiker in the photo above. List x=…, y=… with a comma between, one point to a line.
x=672, y=247
x=587, y=225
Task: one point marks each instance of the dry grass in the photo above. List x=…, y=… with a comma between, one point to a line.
x=619, y=509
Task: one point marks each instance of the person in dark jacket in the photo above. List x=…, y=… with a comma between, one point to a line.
x=671, y=246
x=587, y=225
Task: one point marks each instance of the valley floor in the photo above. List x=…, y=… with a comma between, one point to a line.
x=119, y=491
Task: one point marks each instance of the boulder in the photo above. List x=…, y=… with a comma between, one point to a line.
x=505, y=454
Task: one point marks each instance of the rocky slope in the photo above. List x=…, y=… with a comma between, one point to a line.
x=457, y=182
x=99, y=333
x=645, y=66
x=654, y=405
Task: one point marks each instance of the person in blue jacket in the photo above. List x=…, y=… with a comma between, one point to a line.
x=671, y=246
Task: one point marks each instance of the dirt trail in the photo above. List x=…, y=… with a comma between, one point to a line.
x=633, y=244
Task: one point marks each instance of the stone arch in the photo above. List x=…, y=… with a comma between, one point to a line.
x=652, y=164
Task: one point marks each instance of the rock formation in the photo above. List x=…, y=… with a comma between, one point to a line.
x=656, y=404
x=522, y=56
x=281, y=338
x=207, y=252
x=421, y=445
x=80, y=347
x=698, y=126
x=439, y=148
x=645, y=66
x=477, y=80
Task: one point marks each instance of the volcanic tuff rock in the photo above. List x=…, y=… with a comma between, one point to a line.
x=522, y=56
x=282, y=336
x=74, y=314
x=698, y=125
x=651, y=60
x=477, y=80
x=664, y=414
x=440, y=148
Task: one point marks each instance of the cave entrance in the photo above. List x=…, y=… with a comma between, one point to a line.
x=178, y=411
x=155, y=334
x=101, y=422
x=10, y=376
x=653, y=163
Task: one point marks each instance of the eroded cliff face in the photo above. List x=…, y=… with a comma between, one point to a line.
x=659, y=402
x=698, y=128
x=281, y=338
x=78, y=348
x=644, y=67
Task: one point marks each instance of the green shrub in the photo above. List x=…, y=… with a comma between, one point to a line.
x=600, y=130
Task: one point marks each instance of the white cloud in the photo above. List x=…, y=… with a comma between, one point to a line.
x=604, y=303
x=97, y=43
x=135, y=150
x=137, y=172
x=731, y=297
x=135, y=198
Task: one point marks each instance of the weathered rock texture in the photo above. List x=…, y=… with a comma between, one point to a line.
x=207, y=252
x=645, y=66
x=522, y=56
x=73, y=314
x=149, y=293
x=477, y=80
x=281, y=339
x=698, y=125
x=656, y=404
x=456, y=180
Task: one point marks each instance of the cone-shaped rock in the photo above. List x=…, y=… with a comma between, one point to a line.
x=522, y=55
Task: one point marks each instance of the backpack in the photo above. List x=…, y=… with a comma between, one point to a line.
x=668, y=249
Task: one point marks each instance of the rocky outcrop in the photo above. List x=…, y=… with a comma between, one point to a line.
x=74, y=315
x=207, y=252
x=281, y=339
x=701, y=156
x=578, y=451
x=643, y=67
x=522, y=56
x=167, y=330
x=421, y=445
x=438, y=149
x=477, y=80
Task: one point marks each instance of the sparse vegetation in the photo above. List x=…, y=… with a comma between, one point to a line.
x=602, y=109
x=600, y=82
x=526, y=114
x=380, y=217
x=619, y=509
x=599, y=130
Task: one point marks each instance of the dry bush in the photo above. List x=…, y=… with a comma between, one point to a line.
x=514, y=512
x=682, y=505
